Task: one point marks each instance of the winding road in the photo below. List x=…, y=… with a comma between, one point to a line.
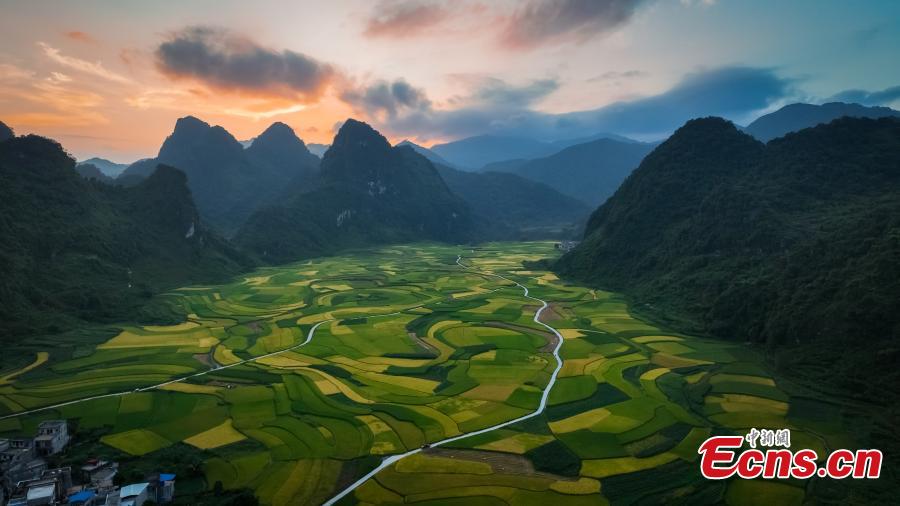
x=387, y=461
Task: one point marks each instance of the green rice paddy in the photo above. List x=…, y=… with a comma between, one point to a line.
x=412, y=349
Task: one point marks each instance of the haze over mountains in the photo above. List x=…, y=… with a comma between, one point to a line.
x=427, y=153
x=475, y=152
x=792, y=245
x=108, y=168
x=318, y=149
x=281, y=167
x=230, y=182
x=589, y=172
x=280, y=205
x=434, y=252
x=513, y=207
x=794, y=117
x=590, y=169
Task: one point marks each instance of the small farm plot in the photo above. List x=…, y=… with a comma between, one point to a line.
x=295, y=380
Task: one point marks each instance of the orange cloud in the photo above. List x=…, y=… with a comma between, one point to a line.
x=404, y=19
x=81, y=37
x=49, y=102
x=94, y=68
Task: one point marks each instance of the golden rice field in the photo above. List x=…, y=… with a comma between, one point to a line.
x=410, y=349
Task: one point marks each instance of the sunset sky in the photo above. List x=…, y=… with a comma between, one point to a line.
x=110, y=78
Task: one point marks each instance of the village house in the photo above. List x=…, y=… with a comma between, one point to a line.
x=24, y=476
x=162, y=488
x=566, y=246
x=49, y=488
x=100, y=473
x=83, y=498
x=159, y=488
x=135, y=494
x=53, y=436
x=25, y=479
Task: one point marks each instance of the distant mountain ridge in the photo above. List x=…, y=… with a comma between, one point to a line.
x=108, y=168
x=795, y=117
x=90, y=171
x=513, y=207
x=472, y=153
x=228, y=181
x=318, y=149
x=589, y=172
x=427, y=153
x=367, y=192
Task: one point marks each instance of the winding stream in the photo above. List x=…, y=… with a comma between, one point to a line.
x=387, y=461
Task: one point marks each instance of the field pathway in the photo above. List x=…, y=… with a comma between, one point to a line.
x=213, y=369
x=387, y=461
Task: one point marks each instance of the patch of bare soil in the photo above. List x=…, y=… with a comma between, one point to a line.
x=205, y=359
x=217, y=383
x=552, y=313
x=501, y=463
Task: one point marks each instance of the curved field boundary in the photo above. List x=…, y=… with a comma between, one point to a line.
x=309, y=337
x=387, y=461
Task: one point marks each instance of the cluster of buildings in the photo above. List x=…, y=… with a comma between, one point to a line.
x=566, y=246
x=27, y=480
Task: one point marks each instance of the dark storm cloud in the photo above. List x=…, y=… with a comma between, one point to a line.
x=386, y=98
x=553, y=21
x=883, y=97
x=226, y=60
x=731, y=92
x=398, y=19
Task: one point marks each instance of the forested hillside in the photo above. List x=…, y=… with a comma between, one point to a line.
x=78, y=249
x=367, y=193
x=795, y=244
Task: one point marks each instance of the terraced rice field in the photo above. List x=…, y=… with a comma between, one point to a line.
x=296, y=380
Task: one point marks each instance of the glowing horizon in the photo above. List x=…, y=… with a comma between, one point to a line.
x=112, y=79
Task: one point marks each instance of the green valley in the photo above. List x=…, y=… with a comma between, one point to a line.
x=435, y=253
x=294, y=381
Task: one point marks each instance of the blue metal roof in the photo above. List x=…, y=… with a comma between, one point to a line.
x=83, y=496
x=166, y=477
